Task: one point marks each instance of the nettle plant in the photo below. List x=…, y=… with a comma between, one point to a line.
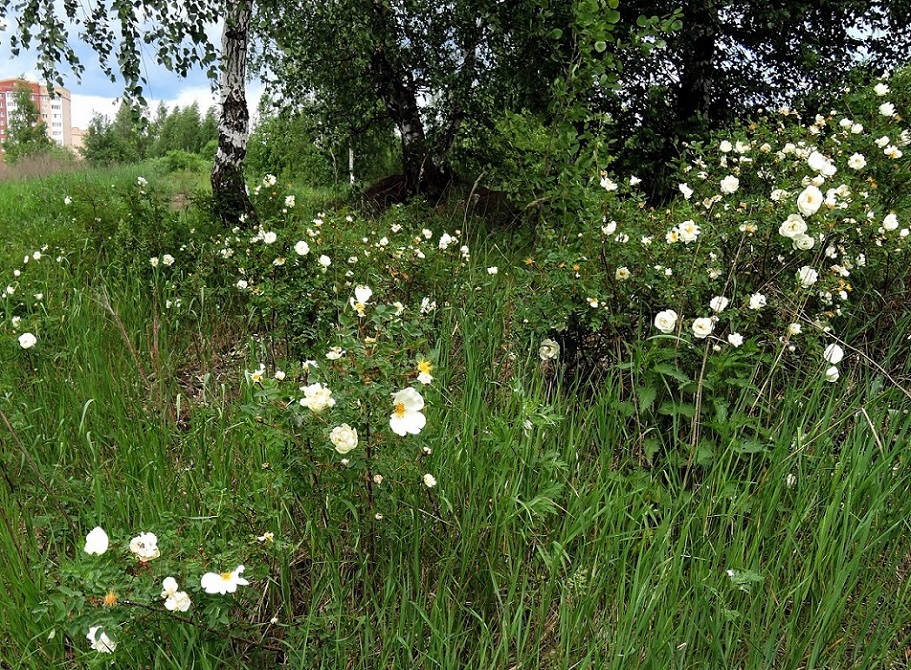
x=781, y=226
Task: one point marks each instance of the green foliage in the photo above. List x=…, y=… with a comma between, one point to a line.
x=26, y=132
x=181, y=137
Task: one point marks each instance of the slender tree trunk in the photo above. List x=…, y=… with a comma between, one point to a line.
x=398, y=92
x=695, y=96
x=229, y=191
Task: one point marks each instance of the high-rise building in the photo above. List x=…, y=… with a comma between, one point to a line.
x=54, y=109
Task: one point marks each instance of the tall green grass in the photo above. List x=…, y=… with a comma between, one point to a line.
x=547, y=544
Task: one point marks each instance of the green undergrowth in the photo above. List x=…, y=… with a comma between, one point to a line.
x=663, y=516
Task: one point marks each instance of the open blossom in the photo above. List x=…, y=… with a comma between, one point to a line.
x=757, y=301
x=688, y=231
x=145, y=547
x=607, y=184
x=334, y=353
x=881, y=89
x=819, y=163
x=794, y=329
x=893, y=152
x=290, y=201
x=317, y=397
x=730, y=184
x=96, y=542
x=666, y=321
x=685, y=190
x=343, y=438
x=549, y=350
x=833, y=354
x=809, y=200
x=100, y=641
x=174, y=599
x=719, y=303
x=221, y=583
x=358, y=302
x=622, y=274
x=325, y=261
x=445, y=240
x=167, y=260
x=887, y=109
x=703, y=327
x=735, y=339
x=27, y=340
x=882, y=141
x=803, y=242
x=407, y=417
x=429, y=480
x=807, y=276
x=302, y=248
x=793, y=226
x=725, y=146
x=857, y=162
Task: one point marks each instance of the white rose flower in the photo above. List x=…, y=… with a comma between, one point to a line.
x=807, y=276
x=703, y=327
x=622, y=273
x=803, y=242
x=290, y=201
x=688, y=231
x=549, y=350
x=270, y=237
x=145, y=547
x=881, y=89
x=833, y=354
x=406, y=417
x=735, y=339
x=302, y=248
x=890, y=222
x=725, y=146
x=666, y=321
x=857, y=162
x=317, y=397
x=493, y=270
x=809, y=200
x=27, y=340
x=429, y=480
x=167, y=259
x=220, y=583
x=100, y=641
x=608, y=184
x=793, y=226
x=832, y=374
x=757, y=301
x=325, y=261
x=882, y=141
x=730, y=184
x=96, y=542
x=819, y=163
x=343, y=438
x=794, y=329
x=887, y=109
x=685, y=190
x=778, y=195
x=719, y=303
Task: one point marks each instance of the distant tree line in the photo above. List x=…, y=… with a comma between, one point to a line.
x=181, y=134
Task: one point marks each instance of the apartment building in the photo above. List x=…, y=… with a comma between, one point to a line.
x=55, y=109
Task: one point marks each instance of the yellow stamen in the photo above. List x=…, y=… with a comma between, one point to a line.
x=226, y=576
x=425, y=367
x=400, y=409
x=110, y=599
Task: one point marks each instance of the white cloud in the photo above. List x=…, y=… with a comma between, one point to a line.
x=84, y=107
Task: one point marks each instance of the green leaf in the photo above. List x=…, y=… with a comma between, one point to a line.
x=556, y=34
x=600, y=46
x=670, y=371
x=646, y=396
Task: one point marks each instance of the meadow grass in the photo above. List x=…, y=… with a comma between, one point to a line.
x=547, y=544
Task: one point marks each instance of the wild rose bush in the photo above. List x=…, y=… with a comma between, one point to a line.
x=778, y=223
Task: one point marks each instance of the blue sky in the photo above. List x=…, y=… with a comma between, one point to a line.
x=96, y=93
